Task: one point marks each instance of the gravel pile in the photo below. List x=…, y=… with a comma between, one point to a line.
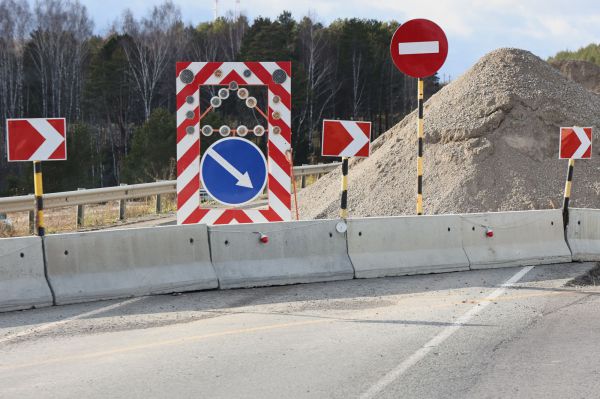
x=491, y=144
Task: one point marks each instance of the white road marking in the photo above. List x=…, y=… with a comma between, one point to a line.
x=53, y=324
x=403, y=367
x=419, y=48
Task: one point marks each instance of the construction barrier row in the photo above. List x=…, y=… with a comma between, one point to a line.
x=79, y=267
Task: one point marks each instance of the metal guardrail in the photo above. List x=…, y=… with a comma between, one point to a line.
x=119, y=193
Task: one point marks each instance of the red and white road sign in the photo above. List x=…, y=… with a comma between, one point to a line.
x=575, y=142
x=346, y=139
x=36, y=139
x=419, y=48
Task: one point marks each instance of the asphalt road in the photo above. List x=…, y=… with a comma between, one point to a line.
x=504, y=333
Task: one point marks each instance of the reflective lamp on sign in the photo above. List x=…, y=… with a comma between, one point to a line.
x=251, y=102
x=242, y=130
x=224, y=131
x=259, y=130
x=215, y=102
x=207, y=130
x=223, y=93
x=242, y=93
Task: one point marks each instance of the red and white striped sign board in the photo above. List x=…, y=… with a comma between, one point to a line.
x=276, y=76
x=575, y=143
x=36, y=139
x=346, y=139
x=419, y=48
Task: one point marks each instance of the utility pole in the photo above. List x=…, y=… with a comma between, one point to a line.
x=216, y=10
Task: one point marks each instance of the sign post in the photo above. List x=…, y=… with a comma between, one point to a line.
x=345, y=139
x=575, y=143
x=37, y=139
x=419, y=48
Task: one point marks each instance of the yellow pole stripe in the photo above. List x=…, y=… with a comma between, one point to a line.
x=420, y=88
x=37, y=184
x=420, y=128
x=419, y=204
x=40, y=216
x=344, y=183
x=568, y=189
x=420, y=166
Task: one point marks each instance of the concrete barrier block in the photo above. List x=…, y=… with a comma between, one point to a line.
x=583, y=234
x=132, y=262
x=297, y=252
x=518, y=239
x=395, y=246
x=22, y=281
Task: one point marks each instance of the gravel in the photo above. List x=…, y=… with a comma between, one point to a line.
x=491, y=144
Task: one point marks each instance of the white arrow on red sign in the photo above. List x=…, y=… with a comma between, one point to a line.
x=575, y=143
x=346, y=139
x=36, y=139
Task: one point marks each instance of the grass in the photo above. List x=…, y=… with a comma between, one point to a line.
x=61, y=220
x=96, y=216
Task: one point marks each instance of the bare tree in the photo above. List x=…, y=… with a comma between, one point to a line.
x=150, y=47
x=59, y=51
x=220, y=40
x=315, y=57
x=15, y=18
x=357, y=82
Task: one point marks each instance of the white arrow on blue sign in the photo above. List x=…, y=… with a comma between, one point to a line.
x=233, y=171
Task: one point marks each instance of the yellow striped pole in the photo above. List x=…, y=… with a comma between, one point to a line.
x=344, y=205
x=39, y=200
x=420, y=149
x=568, y=186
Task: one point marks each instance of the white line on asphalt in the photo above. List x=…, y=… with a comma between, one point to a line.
x=441, y=337
x=53, y=324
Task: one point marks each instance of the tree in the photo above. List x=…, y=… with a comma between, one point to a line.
x=109, y=101
x=150, y=46
x=58, y=51
x=15, y=18
x=152, y=155
x=314, y=53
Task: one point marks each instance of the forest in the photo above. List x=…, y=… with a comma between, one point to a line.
x=117, y=91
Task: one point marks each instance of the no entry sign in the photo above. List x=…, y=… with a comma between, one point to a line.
x=36, y=139
x=575, y=143
x=346, y=139
x=419, y=48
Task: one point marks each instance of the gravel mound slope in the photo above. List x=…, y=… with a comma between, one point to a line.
x=491, y=144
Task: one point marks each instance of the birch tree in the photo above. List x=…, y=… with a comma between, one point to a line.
x=150, y=46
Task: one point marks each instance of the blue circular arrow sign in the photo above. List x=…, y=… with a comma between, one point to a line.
x=233, y=171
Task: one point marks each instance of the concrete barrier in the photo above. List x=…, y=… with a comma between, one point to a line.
x=297, y=252
x=519, y=239
x=583, y=234
x=395, y=246
x=22, y=281
x=133, y=262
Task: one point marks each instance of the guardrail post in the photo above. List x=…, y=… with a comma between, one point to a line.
x=158, y=204
x=80, y=213
x=303, y=181
x=31, y=222
x=122, y=206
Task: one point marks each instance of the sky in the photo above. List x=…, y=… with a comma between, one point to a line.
x=473, y=27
